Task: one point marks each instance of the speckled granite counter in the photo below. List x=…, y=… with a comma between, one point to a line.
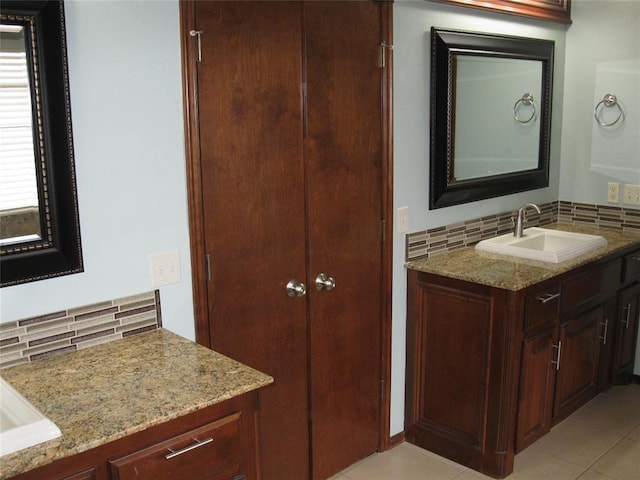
x=512, y=273
x=112, y=390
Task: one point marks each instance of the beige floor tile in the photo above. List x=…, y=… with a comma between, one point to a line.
x=635, y=434
x=622, y=462
x=472, y=475
x=576, y=442
x=630, y=393
x=613, y=414
x=404, y=462
x=532, y=464
x=563, y=454
x=591, y=475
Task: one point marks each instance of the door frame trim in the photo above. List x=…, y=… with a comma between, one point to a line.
x=199, y=271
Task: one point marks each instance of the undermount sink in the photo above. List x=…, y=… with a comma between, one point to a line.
x=543, y=244
x=21, y=424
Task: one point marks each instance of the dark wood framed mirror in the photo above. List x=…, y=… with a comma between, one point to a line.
x=490, y=115
x=40, y=234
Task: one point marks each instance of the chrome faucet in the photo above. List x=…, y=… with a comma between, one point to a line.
x=522, y=217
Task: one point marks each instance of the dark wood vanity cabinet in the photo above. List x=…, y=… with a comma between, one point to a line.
x=538, y=365
x=214, y=443
x=490, y=371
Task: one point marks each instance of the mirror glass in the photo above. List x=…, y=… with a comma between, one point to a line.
x=493, y=88
x=19, y=198
x=490, y=115
x=40, y=231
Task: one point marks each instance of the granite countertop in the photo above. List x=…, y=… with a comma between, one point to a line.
x=513, y=273
x=108, y=391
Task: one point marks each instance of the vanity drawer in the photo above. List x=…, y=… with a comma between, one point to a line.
x=541, y=307
x=591, y=287
x=213, y=451
x=631, y=267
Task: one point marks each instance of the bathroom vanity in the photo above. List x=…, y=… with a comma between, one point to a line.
x=153, y=405
x=501, y=348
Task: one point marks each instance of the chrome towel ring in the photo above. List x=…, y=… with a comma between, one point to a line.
x=525, y=101
x=609, y=101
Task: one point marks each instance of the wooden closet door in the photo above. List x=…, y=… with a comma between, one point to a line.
x=344, y=168
x=289, y=108
x=251, y=149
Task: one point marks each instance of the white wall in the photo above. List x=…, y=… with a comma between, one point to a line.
x=126, y=98
x=412, y=24
x=603, y=56
x=605, y=62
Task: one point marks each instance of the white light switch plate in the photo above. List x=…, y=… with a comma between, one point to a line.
x=165, y=268
x=403, y=219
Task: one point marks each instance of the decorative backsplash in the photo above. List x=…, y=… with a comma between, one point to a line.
x=66, y=331
x=463, y=234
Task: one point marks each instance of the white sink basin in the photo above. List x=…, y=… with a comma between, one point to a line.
x=553, y=246
x=21, y=424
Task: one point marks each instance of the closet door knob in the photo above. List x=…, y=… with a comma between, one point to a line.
x=325, y=282
x=296, y=289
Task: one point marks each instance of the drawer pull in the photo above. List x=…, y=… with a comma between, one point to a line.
x=606, y=328
x=547, y=297
x=557, y=361
x=626, y=319
x=198, y=444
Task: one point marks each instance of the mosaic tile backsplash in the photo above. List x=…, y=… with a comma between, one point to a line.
x=66, y=331
x=444, y=239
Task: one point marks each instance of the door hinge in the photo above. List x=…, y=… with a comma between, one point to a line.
x=381, y=388
x=207, y=266
x=382, y=60
x=383, y=230
x=198, y=35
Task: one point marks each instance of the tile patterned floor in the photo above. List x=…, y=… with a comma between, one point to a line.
x=601, y=441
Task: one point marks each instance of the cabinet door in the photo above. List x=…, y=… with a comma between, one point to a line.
x=578, y=354
x=607, y=342
x=627, y=331
x=254, y=209
x=344, y=168
x=537, y=376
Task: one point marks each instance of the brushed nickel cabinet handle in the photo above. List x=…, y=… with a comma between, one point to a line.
x=626, y=318
x=547, y=297
x=198, y=444
x=557, y=361
x=606, y=329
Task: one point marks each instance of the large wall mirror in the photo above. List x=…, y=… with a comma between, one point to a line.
x=490, y=115
x=39, y=227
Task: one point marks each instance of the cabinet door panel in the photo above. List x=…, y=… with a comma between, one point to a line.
x=626, y=334
x=578, y=370
x=536, y=389
x=607, y=342
x=455, y=337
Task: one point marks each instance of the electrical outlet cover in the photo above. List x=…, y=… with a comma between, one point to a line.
x=165, y=268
